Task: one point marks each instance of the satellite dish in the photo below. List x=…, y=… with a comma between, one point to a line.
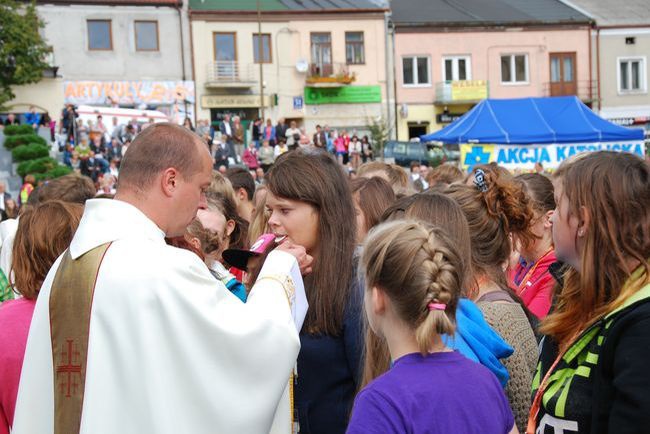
x=302, y=65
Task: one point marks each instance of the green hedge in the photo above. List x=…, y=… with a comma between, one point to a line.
x=13, y=130
x=12, y=142
x=54, y=173
x=39, y=165
x=29, y=152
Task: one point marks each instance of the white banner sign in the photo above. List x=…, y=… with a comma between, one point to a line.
x=524, y=157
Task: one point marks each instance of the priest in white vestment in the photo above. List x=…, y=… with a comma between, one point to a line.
x=170, y=349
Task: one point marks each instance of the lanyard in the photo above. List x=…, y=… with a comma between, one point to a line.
x=537, y=401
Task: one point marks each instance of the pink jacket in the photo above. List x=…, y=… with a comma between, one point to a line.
x=15, y=318
x=250, y=158
x=534, y=285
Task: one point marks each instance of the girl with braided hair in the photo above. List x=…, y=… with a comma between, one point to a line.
x=497, y=209
x=414, y=277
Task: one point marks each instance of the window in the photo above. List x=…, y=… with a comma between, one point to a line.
x=354, y=54
x=456, y=68
x=514, y=68
x=224, y=47
x=225, y=56
x=99, y=35
x=321, y=54
x=146, y=35
x=415, y=71
x=632, y=75
x=266, y=48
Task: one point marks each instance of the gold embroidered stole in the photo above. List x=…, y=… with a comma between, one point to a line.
x=71, y=300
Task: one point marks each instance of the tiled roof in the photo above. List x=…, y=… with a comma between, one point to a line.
x=483, y=12
x=615, y=12
x=171, y=3
x=284, y=5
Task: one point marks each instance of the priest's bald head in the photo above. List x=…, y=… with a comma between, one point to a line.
x=165, y=173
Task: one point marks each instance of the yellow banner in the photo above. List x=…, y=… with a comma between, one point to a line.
x=469, y=90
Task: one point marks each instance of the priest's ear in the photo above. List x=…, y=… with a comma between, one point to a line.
x=169, y=181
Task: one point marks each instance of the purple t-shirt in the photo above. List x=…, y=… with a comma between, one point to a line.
x=437, y=393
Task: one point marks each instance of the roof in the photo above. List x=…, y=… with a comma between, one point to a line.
x=170, y=3
x=614, y=12
x=286, y=6
x=484, y=12
x=562, y=119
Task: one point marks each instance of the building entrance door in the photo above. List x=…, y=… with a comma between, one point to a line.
x=417, y=130
x=563, y=73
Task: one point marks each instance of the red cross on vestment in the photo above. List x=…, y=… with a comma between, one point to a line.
x=68, y=367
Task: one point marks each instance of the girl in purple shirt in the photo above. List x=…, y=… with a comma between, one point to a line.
x=413, y=282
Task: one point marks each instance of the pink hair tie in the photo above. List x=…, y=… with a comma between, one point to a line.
x=437, y=306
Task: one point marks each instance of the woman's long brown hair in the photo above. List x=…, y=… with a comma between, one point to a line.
x=44, y=232
x=614, y=189
x=316, y=178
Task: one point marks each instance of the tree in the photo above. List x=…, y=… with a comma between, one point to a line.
x=379, y=131
x=23, y=52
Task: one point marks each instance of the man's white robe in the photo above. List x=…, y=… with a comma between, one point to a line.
x=170, y=349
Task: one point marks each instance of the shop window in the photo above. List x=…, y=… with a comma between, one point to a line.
x=354, y=51
x=99, y=35
x=514, y=69
x=415, y=71
x=265, y=39
x=146, y=35
x=632, y=75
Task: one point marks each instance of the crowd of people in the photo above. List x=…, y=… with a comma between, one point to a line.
x=227, y=141
x=95, y=149
x=438, y=302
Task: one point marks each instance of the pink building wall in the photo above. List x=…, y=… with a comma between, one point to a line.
x=485, y=49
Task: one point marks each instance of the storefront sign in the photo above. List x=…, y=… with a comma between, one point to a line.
x=174, y=98
x=524, y=157
x=626, y=122
x=447, y=118
x=342, y=95
x=469, y=90
x=222, y=101
x=125, y=93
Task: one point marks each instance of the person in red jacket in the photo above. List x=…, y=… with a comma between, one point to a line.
x=250, y=157
x=530, y=278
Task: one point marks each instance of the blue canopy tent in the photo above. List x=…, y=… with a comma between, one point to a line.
x=563, y=119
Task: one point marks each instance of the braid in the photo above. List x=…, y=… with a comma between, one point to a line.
x=442, y=289
x=419, y=268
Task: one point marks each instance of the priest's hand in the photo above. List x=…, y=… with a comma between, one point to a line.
x=304, y=260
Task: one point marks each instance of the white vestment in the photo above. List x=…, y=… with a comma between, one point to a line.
x=8, y=230
x=170, y=349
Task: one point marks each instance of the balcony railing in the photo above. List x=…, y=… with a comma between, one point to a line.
x=461, y=91
x=586, y=90
x=329, y=74
x=224, y=73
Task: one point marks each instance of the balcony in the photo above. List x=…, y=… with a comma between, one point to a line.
x=461, y=91
x=230, y=74
x=586, y=90
x=329, y=75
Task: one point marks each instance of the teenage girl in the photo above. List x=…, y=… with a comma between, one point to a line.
x=413, y=275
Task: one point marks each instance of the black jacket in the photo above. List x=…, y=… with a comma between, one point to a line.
x=608, y=380
x=329, y=370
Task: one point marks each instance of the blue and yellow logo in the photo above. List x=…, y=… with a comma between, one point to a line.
x=471, y=155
